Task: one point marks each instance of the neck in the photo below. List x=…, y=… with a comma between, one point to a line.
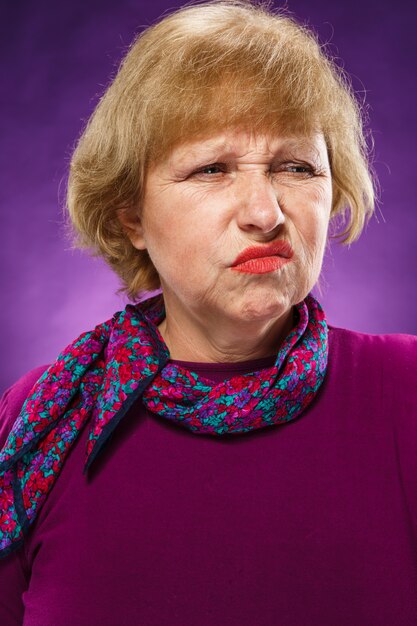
x=208, y=341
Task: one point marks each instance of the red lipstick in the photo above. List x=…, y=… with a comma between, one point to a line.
x=263, y=259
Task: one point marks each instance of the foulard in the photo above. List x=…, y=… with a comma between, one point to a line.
x=99, y=376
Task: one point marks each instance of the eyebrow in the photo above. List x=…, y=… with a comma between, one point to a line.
x=226, y=148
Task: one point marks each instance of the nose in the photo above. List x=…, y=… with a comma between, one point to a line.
x=259, y=209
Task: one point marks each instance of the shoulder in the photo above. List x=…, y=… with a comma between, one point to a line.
x=12, y=400
x=383, y=365
x=390, y=348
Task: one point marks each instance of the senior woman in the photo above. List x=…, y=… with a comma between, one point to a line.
x=216, y=454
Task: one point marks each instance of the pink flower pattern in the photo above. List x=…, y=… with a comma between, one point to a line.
x=101, y=374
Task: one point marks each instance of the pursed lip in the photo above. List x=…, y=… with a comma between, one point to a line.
x=280, y=248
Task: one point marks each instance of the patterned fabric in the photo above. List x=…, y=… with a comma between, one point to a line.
x=99, y=376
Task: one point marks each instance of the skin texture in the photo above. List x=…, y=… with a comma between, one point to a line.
x=206, y=202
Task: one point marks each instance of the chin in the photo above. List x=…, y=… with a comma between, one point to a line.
x=265, y=307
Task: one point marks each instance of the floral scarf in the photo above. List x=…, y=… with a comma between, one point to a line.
x=101, y=374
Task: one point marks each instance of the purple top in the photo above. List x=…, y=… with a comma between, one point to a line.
x=309, y=523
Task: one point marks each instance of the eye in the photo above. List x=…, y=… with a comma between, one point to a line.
x=211, y=170
x=299, y=169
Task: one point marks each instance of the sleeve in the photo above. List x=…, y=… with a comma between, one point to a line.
x=399, y=371
x=14, y=571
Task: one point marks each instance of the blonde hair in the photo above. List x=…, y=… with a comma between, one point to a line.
x=207, y=67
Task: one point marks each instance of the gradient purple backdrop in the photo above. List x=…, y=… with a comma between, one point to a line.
x=58, y=57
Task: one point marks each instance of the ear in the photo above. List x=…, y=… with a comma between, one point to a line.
x=132, y=225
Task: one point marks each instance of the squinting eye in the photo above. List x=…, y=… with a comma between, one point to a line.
x=210, y=170
x=299, y=169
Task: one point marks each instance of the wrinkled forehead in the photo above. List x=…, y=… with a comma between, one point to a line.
x=241, y=139
x=239, y=143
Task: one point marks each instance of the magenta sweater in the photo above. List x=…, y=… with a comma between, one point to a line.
x=312, y=523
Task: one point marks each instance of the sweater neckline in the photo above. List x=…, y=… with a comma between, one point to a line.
x=226, y=367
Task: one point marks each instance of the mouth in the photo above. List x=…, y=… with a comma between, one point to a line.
x=263, y=259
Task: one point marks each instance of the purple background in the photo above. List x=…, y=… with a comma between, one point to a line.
x=57, y=59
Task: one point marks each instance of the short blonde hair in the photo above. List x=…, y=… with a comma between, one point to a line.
x=206, y=67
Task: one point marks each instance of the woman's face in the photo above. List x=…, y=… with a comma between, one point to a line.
x=213, y=198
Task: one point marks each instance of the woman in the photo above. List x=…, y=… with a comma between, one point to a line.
x=212, y=168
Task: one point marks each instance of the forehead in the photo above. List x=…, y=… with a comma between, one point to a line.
x=238, y=143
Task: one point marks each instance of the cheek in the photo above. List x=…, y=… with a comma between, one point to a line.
x=316, y=237
x=311, y=226
x=317, y=214
x=188, y=235
x=172, y=243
